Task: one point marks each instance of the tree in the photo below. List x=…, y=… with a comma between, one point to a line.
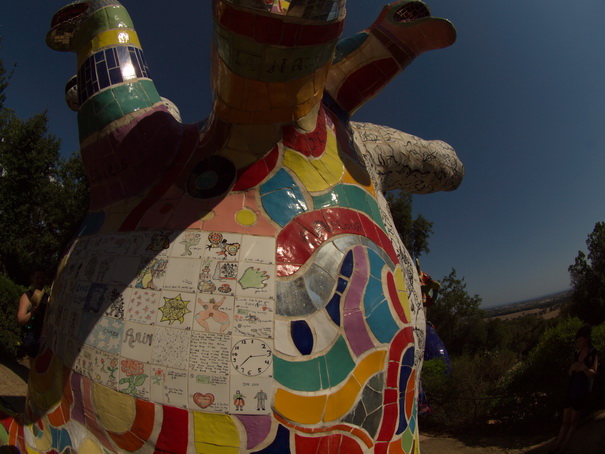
x=457, y=316
x=414, y=233
x=43, y=197
x=588, y=279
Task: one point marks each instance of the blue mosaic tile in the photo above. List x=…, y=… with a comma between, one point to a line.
x=302, y=336
x=333, y=308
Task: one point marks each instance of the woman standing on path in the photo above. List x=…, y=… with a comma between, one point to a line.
x=581, y=372
x=32, y=306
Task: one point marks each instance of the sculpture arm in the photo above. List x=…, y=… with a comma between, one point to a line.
x=367, y=61
x=403, y=161
x=127, y=132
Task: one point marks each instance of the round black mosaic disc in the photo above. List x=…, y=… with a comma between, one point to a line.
x=211, y=177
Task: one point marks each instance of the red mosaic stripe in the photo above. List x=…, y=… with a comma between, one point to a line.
x=174, y=436
x=274, y=30
x=299, y=239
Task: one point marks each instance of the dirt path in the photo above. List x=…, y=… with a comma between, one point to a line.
x=13, y=384
x=589, y=439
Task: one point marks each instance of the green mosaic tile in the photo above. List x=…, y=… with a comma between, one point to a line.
x=340, y=363
x=105, y=19
x=112, y=104
x=300, y=376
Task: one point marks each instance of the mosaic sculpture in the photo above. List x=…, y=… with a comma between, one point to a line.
x=239, y=286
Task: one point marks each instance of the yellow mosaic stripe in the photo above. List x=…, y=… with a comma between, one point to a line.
x=313, y=409
x=115, y=37
x=215, y=434
x=402, y=292
x=116, y=411
x=317, y=174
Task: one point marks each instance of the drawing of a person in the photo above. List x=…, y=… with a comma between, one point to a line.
x=238, y=401
x=154, y=269
x=261, y=398
x=211, y=310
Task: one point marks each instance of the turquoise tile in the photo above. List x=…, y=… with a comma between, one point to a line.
x=299, y=375
x=339, y=361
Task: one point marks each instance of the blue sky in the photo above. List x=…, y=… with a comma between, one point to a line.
x=520, y=96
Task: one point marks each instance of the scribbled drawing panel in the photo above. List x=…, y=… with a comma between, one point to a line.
x=188, y=243
x=253, y=317
x=138, y=341
x=257, y=249
x=182, y=274
x=106, y=367
x=133, y=378
x=151, y=273
x=157, y=382
x=79, y=294
x=213, y=313
x=171, y=348
x=217, y=276
x=251, y=357
x=116, y=301
x=104, y=333
x=176, y=310
x=256, y=280
x=142, y=305
x=258, y=395
x=209, y=353
x=84, y=362
x=209, y=393
x=96, y=298
x=123, y=270
x=223, y=245
x=175, y=388
x=155, y=244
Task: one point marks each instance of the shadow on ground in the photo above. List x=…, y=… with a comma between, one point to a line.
x=588, y=439
x=13, y=384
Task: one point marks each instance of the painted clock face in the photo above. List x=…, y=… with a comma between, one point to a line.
x=251, y=356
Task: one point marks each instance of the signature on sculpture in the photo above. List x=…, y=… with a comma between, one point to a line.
x=239, y=286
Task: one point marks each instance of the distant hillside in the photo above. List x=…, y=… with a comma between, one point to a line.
x=542, y=304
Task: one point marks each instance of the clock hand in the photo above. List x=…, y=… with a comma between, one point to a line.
x=245, y=360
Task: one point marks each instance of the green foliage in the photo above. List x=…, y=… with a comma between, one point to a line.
x=457, y=317
x=3, y=84
x=537, y=386
x=588, y=279
x=467, y=396
x=414, y=233
x=43, y=197
x=10, y=332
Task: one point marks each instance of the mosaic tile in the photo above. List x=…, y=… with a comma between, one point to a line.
x=302, y=336
x=325, y=331
x=292, y=299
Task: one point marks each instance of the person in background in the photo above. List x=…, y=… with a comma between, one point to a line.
x=32, y=307
x=581, y=375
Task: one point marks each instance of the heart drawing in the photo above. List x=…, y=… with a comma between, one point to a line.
x=203, y=400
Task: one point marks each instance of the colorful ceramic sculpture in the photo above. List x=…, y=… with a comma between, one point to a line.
x=239, y=286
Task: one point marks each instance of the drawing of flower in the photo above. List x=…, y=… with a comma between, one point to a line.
x=113, y=366
x=158, y=376
x=134, y=376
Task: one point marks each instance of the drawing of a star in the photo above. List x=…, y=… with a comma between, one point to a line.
x=174, y=309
